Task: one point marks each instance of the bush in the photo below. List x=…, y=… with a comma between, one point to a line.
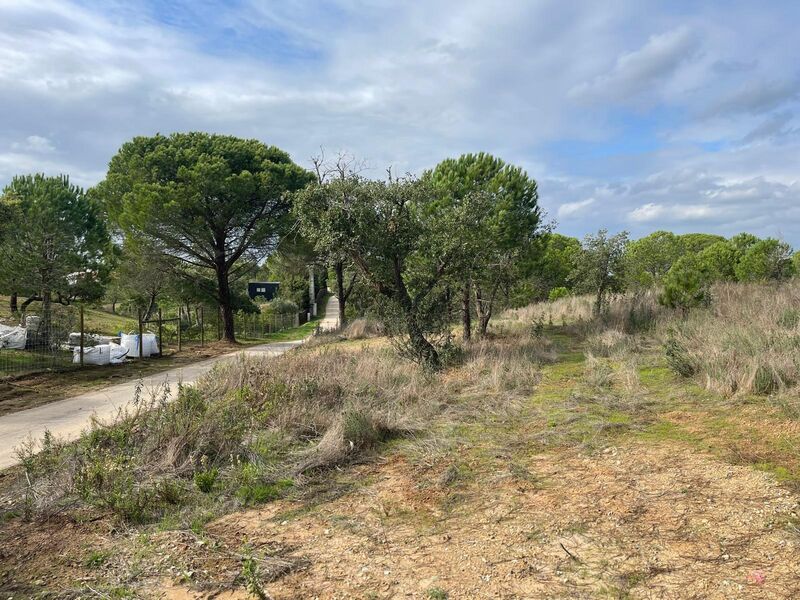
x=279, y=306
x=685, y=285
x=678, y=358
x=557, y=293
x=205, y=480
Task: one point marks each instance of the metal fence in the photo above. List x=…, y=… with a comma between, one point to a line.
x=62, y=340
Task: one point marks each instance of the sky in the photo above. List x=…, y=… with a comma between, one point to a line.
x=631, y=115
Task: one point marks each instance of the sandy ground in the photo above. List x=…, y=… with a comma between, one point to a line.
x=641, y=521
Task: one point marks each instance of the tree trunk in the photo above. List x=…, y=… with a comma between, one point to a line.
x=45, y=324
x=423, y=348
x=12, y=302
x=466, y=312
x=483, y=306
x=150, y=306
x=341, y=294
x=114, y=307
x=598, y=302
x=29, y=301
x=225, y=303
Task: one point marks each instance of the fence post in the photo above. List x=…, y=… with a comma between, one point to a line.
x=141, y=336
x=202, y=328
x=179, y=328
x=160, y=334
x=82, y=340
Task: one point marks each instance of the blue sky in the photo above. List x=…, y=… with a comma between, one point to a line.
x=631, y=115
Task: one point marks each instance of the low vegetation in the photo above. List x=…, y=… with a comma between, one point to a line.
x=270, y=468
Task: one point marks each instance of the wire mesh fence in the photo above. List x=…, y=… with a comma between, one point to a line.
x=38, y=340
x=61, y=339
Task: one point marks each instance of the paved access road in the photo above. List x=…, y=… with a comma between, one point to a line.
x=65, y=419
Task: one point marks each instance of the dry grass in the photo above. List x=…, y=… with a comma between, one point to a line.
x=360, y=329
x=254, y=428
x=746, y=342
x=627, y=313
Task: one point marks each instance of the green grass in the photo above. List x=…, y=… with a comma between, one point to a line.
x=293, y=333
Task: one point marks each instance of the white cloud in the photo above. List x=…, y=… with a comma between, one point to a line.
x=635, y=71
x=571, y=208
x=34, y=143
x=652, y=212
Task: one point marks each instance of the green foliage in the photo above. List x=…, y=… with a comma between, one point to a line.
x=648, y=259
x=436, y=593
x=402, y=247
x=279, y=306
x=289, y=265
x=693, y=243
x=767, y=259
x=252, y=579
x=556, y=293
x=55, y=243
x=549, y=266
x=260, y=492
x=600, y=267
x=678, y=358
x=718, y=261
x=215, y=203
x=205, y=480
x=685, y=285
x=95, y=559
x=501, y=236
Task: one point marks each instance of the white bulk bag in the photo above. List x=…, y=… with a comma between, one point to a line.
x=131, y=342
x=13, y=338
x=118, y=353
x=150, y=343
x=32, y=322
x=102, y=354
x=93, y=355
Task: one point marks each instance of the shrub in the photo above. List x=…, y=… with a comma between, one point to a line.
x=678, y=358
x=205, y=480
x=279, y=306
x=685, y=285
x=557, y=293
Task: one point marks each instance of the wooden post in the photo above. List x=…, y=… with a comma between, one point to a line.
x=141, y=336
x=180, y=346
x=160, y=334
x=202, y=328
x=82, y=340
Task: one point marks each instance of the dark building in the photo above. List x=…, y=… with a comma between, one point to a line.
x=262, y=289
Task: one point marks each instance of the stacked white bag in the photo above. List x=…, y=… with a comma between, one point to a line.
x=13, y=338
x=102, y=354
x=131, y=342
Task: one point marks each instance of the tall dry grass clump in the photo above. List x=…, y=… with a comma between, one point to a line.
x=628, y=312
x=748, y=341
